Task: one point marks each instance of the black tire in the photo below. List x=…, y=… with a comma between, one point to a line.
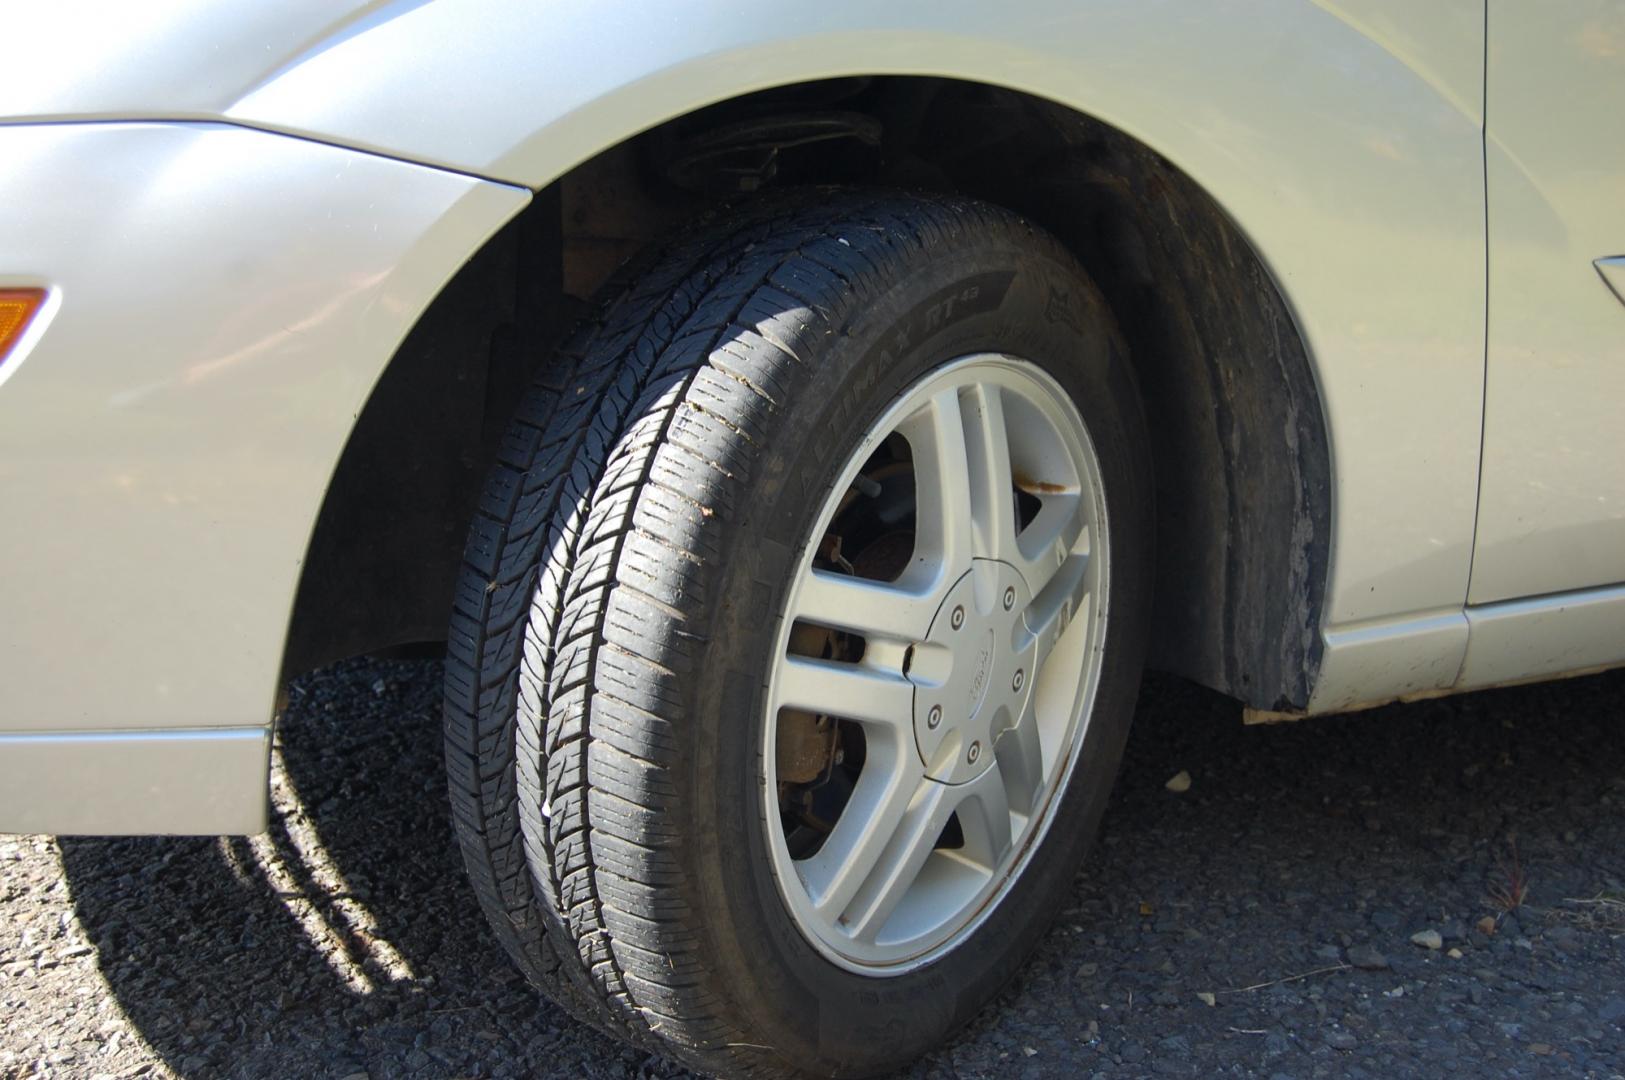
x=613, y=632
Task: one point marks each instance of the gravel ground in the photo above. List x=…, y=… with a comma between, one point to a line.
x=1260, y=922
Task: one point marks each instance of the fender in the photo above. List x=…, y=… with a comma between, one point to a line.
x=1344, y=141
x=1349, y=153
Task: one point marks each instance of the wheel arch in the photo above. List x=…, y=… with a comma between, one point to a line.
x=1242, y=447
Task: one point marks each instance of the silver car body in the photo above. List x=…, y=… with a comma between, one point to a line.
x=240, y=214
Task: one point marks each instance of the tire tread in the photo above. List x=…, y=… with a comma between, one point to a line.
x=577, y=618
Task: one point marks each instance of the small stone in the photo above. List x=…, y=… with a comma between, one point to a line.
x=1454, y=954
x=1543, y=1049
x=1565, y=938
x=1428, y=939
x=1454, y=932
x=1385, y=920
x=1486, y=926
x=1179, y=783
x=1029, y=1051
x=1612, y=1011
x=1177, y=1045
x=1367, y=958
x=1339, y=1039
x=1087, y=971
x=1206, y=998
x=379, y=687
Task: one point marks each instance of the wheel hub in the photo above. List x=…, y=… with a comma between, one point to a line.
x=972, y=672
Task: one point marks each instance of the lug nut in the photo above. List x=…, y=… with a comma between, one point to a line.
x=958, y=618
x=934, y=717
x=1009, y=597
x=974, y=752
x=1019, y=680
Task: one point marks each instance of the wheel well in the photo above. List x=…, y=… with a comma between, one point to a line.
x=1241, y=450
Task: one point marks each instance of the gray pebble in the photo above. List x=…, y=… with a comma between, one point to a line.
x=1367, y=958
x=1428, y=939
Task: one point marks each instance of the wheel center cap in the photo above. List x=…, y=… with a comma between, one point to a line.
x=981, y=670
x=973, y=672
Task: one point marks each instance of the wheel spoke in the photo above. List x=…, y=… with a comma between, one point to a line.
x=861, y=606
x=984, y=819
x=866, y=828
x=901, y=860
x=1020, y=755
x=964, y=493
x=1058, y=532
x=849, y=691
x=942, y=495
x=992, y=487
x=1061, y=597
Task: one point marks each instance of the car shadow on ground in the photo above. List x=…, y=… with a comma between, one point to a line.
x=347, y=941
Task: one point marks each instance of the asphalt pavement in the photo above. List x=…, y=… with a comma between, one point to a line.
x=1420, y=890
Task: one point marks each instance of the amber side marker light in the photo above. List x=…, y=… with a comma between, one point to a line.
x=17, y=308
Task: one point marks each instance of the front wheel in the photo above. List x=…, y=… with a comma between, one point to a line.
x=836, y=546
